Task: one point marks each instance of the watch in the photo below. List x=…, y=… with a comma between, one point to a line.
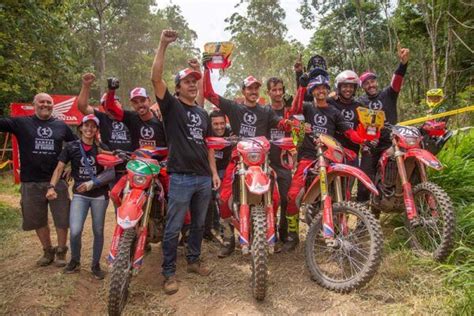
x=50, y=186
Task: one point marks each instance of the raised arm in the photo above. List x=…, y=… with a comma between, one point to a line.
x=83, y=98
x=159, y=85
x=397, y=79
x=209, y=93
x=111, y=107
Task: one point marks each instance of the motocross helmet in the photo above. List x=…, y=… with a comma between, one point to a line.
x=347, y=76
x=317, y=61
x=434, y=97
x=318, y=81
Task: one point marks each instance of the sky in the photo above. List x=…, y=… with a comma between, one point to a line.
x=206, y=18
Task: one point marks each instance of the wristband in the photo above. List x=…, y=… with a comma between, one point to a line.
x=51, y=186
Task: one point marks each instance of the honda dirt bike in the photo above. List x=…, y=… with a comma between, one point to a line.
x=253, y=212
x=143, y=195
x=344, y=242
x=402, y=182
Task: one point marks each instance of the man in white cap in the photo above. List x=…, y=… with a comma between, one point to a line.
x=190, y=163
x=246, y=120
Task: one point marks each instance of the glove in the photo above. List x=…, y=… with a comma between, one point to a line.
x=304, y=80
x=206, y=57
x=113, y=83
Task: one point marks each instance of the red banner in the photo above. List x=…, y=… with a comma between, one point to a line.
x=65, y=109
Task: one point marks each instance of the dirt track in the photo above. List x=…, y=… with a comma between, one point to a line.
x=27, y=289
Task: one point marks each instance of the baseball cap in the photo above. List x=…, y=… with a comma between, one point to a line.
x=250, y=80
x=186, y=72
x=104, y=96
x=138, y=92
x=90, y=117
x=366, y=76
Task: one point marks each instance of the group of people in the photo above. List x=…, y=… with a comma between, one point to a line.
x=47, y=145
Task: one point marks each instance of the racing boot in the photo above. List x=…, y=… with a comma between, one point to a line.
x=228, y=245
x=293, y=233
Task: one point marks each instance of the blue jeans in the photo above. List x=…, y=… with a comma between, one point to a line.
x=79, y=208
x=191, y=192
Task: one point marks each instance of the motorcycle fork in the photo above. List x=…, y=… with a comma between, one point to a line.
x=326, y=202
x=142, y=230
x=406, y=185
x=342, y=219
x=267, y=198
x=244, y=211
x=114, y=246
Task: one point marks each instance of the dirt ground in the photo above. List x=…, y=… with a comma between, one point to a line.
x=30, y=290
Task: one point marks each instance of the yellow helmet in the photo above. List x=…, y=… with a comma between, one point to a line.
x=434, y=97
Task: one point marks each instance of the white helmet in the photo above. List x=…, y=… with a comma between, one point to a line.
x=347, y=76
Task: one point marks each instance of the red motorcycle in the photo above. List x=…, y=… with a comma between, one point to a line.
x=141, y=196
x=402, y=182
x=344, y=242
x=253, y=211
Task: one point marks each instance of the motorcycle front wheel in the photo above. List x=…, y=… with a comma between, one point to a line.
x=433, y=235
x=259, y=252
x=121, y=273
x=355, y=255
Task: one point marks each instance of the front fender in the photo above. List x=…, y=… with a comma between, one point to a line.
x=256, y=180
x=425, y=157
x=131, y=210
x=334, y=170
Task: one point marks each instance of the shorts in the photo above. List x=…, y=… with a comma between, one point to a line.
x=34, y=205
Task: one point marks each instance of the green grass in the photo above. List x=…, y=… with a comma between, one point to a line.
x=10, y=219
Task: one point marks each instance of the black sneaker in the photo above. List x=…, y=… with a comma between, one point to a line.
x=72, y=267
x=97, y=272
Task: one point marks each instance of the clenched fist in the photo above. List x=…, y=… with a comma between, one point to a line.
x=193, y=63
x=168, y=36
x=88, y=79
x=403, y=53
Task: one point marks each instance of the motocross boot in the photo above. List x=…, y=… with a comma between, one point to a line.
x=293, y=233
x=228, y=245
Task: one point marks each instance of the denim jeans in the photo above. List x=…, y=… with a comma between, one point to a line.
x=191, y=192
x=79, y=208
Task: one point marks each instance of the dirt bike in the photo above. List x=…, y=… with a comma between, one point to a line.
x=402, y=182
x=344, y=242
x=143, y=195
x=253, y=211
x=435, y=135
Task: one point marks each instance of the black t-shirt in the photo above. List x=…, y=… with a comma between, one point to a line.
x=187, y=126
x=40, y=143
x=79, y=170
x=349, y=113
x=323, y=120
x=385, y=100
x=223, y=156
x=149, y=133
x=249, y=121
x=114, y=134
x=275, y=134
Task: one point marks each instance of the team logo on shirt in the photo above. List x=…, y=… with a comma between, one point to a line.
x=44, y=132
x=194, y=118
x=147, y=132
x=320, y=120
x=250, y=118
x=91, y=161
x=348, y=114
x=117, y=126
x=375, y=105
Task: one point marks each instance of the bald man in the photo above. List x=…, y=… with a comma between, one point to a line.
x=40, y=139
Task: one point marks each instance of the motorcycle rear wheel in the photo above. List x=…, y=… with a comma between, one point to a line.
x=259, y=252
x=121, y=273
x=355, y=258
